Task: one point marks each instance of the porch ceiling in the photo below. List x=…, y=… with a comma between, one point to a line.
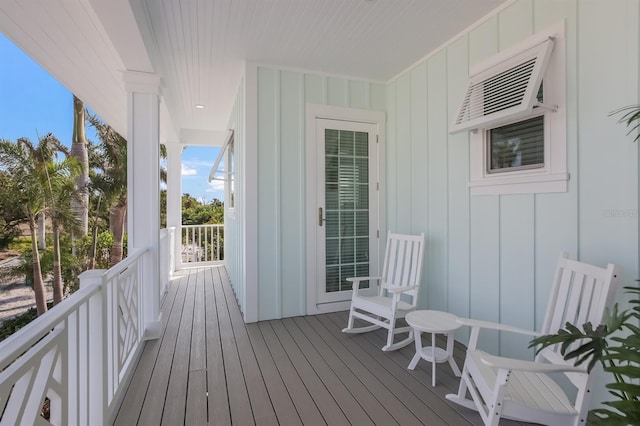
x=198, y=47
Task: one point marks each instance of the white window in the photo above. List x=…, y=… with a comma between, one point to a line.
x=514, y=108
x=231, y=189
x=224, y=171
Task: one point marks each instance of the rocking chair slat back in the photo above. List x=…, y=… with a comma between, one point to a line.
x=402, y=265
x=397, y=294
x=579, y=295
x=522, y=390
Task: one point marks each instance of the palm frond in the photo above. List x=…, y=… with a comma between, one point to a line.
x=631, y=118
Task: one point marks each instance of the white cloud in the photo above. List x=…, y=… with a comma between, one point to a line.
x=196, y=163
x=187, y=171
x=216, y=186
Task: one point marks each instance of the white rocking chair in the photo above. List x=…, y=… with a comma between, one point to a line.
x=523, y=390
x=400, y=277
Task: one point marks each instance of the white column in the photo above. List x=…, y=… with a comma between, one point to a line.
x=143, y=181
x=250, y=192
x=174, y=197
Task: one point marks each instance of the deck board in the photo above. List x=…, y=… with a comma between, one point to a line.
x=196, y=409
x=365, y=362
x=322, y=358
x=208, y=367
x=129, y=412
x=306, y=407
x=239, y=404
x=218, y=398
x=154, y=402
x=175, y=403
x=260, y=403
x=331, y=412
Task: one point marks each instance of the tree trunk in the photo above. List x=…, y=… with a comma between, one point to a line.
x=94, y=237
x=80, y=206
x=42, y=231
x=94, y=244
x=58, y=289
x=38, y=283
x=117, y=214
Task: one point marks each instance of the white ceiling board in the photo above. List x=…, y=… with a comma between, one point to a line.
x=66, y=39
x=199, y=47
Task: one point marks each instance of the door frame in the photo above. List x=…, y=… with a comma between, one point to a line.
x=313, y=112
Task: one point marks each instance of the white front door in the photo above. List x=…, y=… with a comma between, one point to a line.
x=346, y=207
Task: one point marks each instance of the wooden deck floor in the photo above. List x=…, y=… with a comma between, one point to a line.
x=210, y=368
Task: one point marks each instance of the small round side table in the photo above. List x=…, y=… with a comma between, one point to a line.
x=434, y=322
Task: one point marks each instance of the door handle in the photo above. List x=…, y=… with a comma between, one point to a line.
x=320, y=219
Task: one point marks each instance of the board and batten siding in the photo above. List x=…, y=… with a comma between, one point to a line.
x=492, y=257
x=234, y=237
x=282, y=96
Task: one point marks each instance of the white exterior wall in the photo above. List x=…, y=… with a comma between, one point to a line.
x=493, y=257
x=234, y=234
x=281, y=99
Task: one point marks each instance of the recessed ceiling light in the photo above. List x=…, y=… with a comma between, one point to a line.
x=199, y=106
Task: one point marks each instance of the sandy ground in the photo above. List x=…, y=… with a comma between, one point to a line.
x=15, y=297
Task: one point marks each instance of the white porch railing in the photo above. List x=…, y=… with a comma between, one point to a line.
x=202, y=243
x=79, y=354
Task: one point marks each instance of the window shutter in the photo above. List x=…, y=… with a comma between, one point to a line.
x=505, y=90
x=215, y=170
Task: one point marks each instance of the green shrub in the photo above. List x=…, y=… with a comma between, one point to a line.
x=10, y=326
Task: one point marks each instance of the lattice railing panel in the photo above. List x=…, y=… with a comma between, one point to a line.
x=68, y=365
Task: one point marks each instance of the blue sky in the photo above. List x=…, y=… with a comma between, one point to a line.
x=32, y=104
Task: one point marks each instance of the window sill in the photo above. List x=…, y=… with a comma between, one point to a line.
x=525, y=184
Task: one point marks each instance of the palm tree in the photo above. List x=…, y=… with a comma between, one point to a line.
x=25, y=186
x=111, y=159
x=60, y=192
x=80, y=152
x=111, y=184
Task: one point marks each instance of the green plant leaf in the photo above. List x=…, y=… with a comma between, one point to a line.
x=630, y=117
x=629, y=388
x=632, y=339
x=628, y=407
x=632, y=372
x=621, y=354
x=611, y=418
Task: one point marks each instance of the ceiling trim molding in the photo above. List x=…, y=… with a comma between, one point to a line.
x=142, y=82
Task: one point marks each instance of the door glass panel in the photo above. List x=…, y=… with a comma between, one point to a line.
x=347, y=207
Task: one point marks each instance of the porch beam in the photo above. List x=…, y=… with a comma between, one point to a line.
x=143, y=165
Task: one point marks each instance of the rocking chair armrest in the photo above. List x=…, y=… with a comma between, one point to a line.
x=395, y=290
x=473, y=323
x=530, y=366
x=356, y=281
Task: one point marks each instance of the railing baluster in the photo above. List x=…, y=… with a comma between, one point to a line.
x=201, y=243
x=218, y=242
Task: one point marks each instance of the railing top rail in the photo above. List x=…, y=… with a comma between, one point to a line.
x=23, y=339
x=124, y=263
x=204, y=225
